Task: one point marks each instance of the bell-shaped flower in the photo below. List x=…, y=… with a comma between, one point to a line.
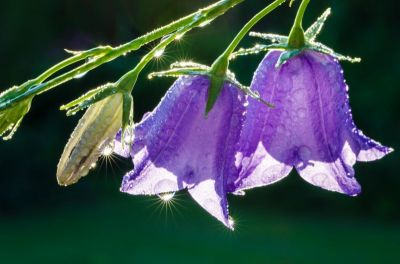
x=178, y=147
x=311, y=127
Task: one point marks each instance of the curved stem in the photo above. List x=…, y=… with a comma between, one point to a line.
x=128, y=80
x=296, y=36
x=219, y=68
x=249, y=25
x=221, y=64
x=72, y=60
x=107, y=54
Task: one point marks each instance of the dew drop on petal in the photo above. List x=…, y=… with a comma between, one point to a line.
x=166, y=197
x=319, y=179
x=301, y=113
x=164, y=186
x=239, y=193
x=304, y=153
x=231, y=223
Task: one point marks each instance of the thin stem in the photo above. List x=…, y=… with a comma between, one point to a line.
x=249, y=25
x=296, y=37
x=128, y=80
x=210, y=12
x=219, y=68
x=74, y=59
x=106, y=54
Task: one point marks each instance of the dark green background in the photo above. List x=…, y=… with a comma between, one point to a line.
x=91, y=222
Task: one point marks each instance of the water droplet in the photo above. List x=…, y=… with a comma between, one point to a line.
x=304, y=153
x=179, y=36
x=80, y=75
x=108, y=149
x=159, y=53
x=129, y=136
x=231, y=223
x=164, y=186
x=166, y=197
x=272, y=174
x=319, y=179
x=239, y=193
x=280, y=129
x=301, y=113
x=205, y=23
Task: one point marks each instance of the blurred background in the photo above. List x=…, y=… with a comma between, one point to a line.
x=92, y=222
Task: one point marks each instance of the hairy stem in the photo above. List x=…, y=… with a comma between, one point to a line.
x=296, y=37
x=102, y=55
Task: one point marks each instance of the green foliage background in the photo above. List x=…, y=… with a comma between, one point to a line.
x=91, y=222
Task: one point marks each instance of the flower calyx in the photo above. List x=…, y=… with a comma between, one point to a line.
x=217, y=78
x=280, y=42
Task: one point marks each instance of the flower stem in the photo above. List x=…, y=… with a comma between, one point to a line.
x=102, y=55
x=221, y=64
x=249, y=25
x=128, y=80
x=296, y=36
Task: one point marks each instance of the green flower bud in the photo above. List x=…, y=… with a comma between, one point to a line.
x=94, y=132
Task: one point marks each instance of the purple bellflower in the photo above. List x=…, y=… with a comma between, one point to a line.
x=177, y=147
x=311, y=127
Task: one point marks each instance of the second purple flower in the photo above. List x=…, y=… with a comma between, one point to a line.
x=311, y=128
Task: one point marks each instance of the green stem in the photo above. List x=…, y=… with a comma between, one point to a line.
x=107, y=54
x=221, y=64
x=249, y=25
x=72, y=60
x=296, y=37
x=128, y=80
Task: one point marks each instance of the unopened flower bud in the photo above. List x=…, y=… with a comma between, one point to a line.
x=95, y=130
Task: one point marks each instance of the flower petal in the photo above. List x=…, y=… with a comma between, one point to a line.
x=335, y=176
x=177, y=147
x=211, y=195
x=367, y=149
x=311, y=127
x=154, y=181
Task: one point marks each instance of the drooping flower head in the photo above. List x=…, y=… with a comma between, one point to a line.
x=177, y=147
x=310, y=129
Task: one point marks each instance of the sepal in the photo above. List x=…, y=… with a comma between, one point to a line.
x=287, y=55
x=127, y=112
x=11, y=118
x=90, y=98
x=315, y=29
x=256, y=50
x=188, y=68
x=246, y=89
x=325, y=49
x=274, y=38
x=280, y=42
